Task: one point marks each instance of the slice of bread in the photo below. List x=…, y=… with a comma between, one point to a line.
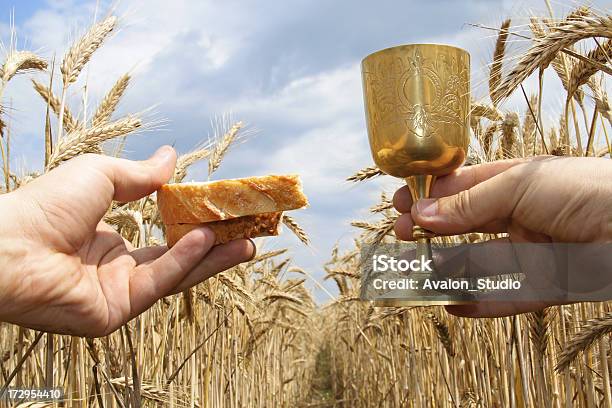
x=248, y=226
x=196, y=203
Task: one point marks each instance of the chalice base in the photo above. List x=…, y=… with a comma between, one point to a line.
x=423, y=302
x=423, y=297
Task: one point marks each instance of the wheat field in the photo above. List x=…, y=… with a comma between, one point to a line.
x=250, y=337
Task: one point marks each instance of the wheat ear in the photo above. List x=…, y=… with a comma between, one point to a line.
x=487, y=139
x=77, y=56
x=529, y=128
x=546, y=48
x=508, y=126
x=385, y=204
x=235, y=287
x=538, y=330
x=602, y=104
x=148, y=392
x=88, y=140
x=222, y=146
x=375, y=233
x=296, y=229
x=592, y=330
x=81, y=51
x=561, y=63
x=365, y=174
x=21, y=61
x=479, y=110
x=186, y=160
x=70, y=123
x=443, y=334
x=582, y=71
x=495, y=74
x=110, y=101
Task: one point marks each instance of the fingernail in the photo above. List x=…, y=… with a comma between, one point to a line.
x=427, y=207
x=163, y=153
x=254, y=249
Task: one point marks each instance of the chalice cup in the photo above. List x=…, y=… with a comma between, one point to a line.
x=417, y=105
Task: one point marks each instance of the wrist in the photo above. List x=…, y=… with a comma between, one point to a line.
x=4, y=198
x=9, y=253
x=3, y=256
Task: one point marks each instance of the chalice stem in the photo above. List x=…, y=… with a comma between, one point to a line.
x=420, y=187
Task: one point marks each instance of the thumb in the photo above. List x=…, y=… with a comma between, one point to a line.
x=487, y=202
x=133, y=180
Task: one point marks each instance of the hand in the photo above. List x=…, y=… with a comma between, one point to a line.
x=542, y=199
x=63, y=270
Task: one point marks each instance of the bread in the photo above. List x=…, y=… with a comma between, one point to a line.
x=238, y=208
x=249, y=226
x=195, y=203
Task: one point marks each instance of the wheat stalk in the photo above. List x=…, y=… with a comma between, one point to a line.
x=110, y=101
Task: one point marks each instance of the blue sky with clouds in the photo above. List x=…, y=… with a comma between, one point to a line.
x=290, y=69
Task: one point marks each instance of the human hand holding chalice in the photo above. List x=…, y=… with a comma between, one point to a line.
x=417, y=101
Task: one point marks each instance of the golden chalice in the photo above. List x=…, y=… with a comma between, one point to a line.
x=417, y=102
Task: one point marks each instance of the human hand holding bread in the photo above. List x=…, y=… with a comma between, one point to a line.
x=66, y=271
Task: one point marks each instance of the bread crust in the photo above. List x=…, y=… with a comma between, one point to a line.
x=249, y=226
x=194, y=203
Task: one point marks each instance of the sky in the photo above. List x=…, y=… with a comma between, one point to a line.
x=288, y=69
